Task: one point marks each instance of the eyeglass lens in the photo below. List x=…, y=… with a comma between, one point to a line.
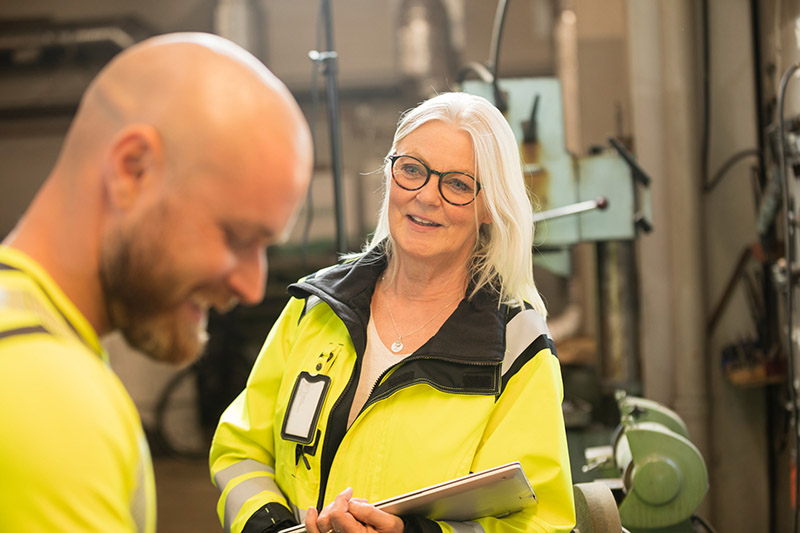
x=456, y=187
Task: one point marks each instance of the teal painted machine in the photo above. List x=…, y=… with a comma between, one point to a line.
x=657, y=475
x=602, y=198
x=606, y=193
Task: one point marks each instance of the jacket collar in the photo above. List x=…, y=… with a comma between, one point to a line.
x=65, y=311
x=474, y=332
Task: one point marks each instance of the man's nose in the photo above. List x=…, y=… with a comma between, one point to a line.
x=248, y=279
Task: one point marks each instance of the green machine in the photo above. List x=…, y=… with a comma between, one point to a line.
x=600, y=197
x=657, y=475
x=661, y=476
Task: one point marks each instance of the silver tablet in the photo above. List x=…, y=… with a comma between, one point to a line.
x=495, y=492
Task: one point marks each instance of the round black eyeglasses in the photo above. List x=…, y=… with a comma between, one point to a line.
x=411, y=174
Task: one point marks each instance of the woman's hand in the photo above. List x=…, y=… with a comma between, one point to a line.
x=373, y=518
x=351, y=515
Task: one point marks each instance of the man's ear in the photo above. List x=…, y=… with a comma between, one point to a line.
x=136, y=160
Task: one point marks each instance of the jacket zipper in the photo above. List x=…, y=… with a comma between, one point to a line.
x=371, y=400
x=325, y=469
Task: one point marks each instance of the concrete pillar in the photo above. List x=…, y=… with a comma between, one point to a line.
x=666, y=100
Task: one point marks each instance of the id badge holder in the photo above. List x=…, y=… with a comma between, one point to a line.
x=305, y=407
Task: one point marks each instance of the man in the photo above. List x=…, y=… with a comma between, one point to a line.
x=185, y=160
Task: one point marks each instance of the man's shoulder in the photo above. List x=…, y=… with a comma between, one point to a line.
x=41, y=368
x=71, y=427
x=30, y=329
x=28, y=311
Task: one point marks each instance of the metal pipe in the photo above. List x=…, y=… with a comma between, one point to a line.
x=330, y=71
x=67, y=37
x=789, y=229
x=236, y=20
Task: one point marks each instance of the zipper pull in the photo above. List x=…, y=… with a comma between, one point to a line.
x=299, y=453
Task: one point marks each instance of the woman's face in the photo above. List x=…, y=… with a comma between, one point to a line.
x=423, y=225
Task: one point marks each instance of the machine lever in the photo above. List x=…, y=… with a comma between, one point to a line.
x=531, y=133
x=573, y=209
x=595, y=464
x=638, y=173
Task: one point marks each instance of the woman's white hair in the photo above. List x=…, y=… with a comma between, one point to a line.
x=503, y=254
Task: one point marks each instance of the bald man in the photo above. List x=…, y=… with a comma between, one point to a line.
x=185, y=160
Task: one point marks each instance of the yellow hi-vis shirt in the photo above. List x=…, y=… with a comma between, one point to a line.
x=73, y=456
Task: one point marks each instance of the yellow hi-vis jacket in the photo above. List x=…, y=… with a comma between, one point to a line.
x=484, y=391
x=73, y=455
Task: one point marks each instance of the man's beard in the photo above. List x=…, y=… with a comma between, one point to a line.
x=143, y=302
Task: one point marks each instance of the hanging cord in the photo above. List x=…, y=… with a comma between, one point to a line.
x=710, y=184
x=697, y=519
x=789, y=229
x=727, y=166
x=488, y=72
x=494, y=53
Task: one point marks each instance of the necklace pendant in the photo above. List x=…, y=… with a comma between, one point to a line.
x=397, y=346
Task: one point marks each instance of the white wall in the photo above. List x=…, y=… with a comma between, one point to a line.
x=364, y=40
x=739, y=460
x=682, y=366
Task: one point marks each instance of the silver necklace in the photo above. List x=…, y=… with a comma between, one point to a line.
x=397, y=346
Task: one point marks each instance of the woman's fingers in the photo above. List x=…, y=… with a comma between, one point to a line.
x=311, y=520
x=336, y=518
x=340, y=518
x=370, y=515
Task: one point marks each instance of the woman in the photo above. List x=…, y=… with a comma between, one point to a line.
x=422, y=359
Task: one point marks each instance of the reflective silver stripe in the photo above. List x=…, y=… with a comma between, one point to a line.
x=311, y=303
x=465, y=527
x=520, y=331
x=299, y=514
x=142, y=510
x=246, y=466
x=139, y=502
x=23, y=300
x=243, y=492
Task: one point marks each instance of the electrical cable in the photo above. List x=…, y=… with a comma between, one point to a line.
x=727, y=165
x=755, y=28
x=789, y=224
x=478, y=68
x=197, y=450
x=494, y=53
x=697, y=519
x=767, y=236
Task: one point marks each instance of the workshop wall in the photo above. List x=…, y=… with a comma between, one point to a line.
x=39, y=95
x=616, y=70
